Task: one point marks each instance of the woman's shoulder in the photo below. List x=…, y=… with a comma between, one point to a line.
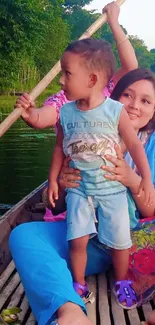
x=150, y=144
x=150, y=152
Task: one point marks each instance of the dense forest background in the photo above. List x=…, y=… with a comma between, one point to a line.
x=34, y=33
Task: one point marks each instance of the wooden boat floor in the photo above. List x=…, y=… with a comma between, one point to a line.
x=104, y=311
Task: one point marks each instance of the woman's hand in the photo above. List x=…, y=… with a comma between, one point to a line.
x=112, y=10
x=121, y=171
x=148, y=188
x=124, y=174
x=126, y=52
x=69, y=177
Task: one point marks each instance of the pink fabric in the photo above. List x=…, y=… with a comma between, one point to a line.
x=50, y=217
x=57, y=101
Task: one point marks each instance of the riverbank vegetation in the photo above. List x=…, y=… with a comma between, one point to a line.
x=33, y=35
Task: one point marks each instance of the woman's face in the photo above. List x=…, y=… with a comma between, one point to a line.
x=139, y=102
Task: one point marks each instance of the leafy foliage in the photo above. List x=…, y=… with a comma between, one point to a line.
x=29, y=31
x=34, y=33
x=76, y=3
x=143, y=54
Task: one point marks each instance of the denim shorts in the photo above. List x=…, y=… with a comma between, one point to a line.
x=113, y=226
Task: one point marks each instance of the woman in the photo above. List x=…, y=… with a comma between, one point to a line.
x=133, y=90
x=44, y=273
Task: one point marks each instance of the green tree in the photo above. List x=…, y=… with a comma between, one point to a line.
x=153, y=60
x=34, y=33
x=56, y=37
x=20, y=30
x=26, y=28
x=76, y=3
x=79, y=21
x=143, y=55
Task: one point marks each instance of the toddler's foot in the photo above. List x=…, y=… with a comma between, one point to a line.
x=83, y=291
x=125, y=294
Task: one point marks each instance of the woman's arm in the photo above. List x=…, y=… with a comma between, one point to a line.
x=125, y=50
x=123, y=173
x=134, y=146
x=145, y=210
x=137, y=152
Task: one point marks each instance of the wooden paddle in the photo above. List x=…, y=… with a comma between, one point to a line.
x=5, y=125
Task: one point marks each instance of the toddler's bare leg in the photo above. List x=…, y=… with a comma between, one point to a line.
x=120, y=263
x=78, y=258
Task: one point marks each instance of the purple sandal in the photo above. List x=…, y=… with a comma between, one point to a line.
x=87, y=296
x=124, y=292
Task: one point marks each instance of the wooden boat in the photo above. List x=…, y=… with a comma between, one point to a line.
x=104, y=311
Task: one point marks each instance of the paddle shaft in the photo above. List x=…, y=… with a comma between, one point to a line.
x=5, y=125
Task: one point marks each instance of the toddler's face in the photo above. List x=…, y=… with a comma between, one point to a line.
x=75, y=77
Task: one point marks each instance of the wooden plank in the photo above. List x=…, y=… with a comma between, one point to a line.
x=16, y=214
x=146, y=310
x=6, y=274
x=117, y=312
x=133, y=316
x=4, y=228
x=5, y=255
x=25, y=307
x=11, y=286
x=16, y=297
x=31, y=320
x=39, y=206
x=20, y=213
x=91, y=308
x=104, y=310
x=38, y=216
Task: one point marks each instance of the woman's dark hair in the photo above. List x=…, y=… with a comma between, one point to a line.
x=129, y=79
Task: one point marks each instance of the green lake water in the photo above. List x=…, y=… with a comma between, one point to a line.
x=24, y=161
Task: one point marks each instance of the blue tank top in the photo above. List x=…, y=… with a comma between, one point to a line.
x=88, y=136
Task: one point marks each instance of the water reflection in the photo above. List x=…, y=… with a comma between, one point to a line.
x=24, y=161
